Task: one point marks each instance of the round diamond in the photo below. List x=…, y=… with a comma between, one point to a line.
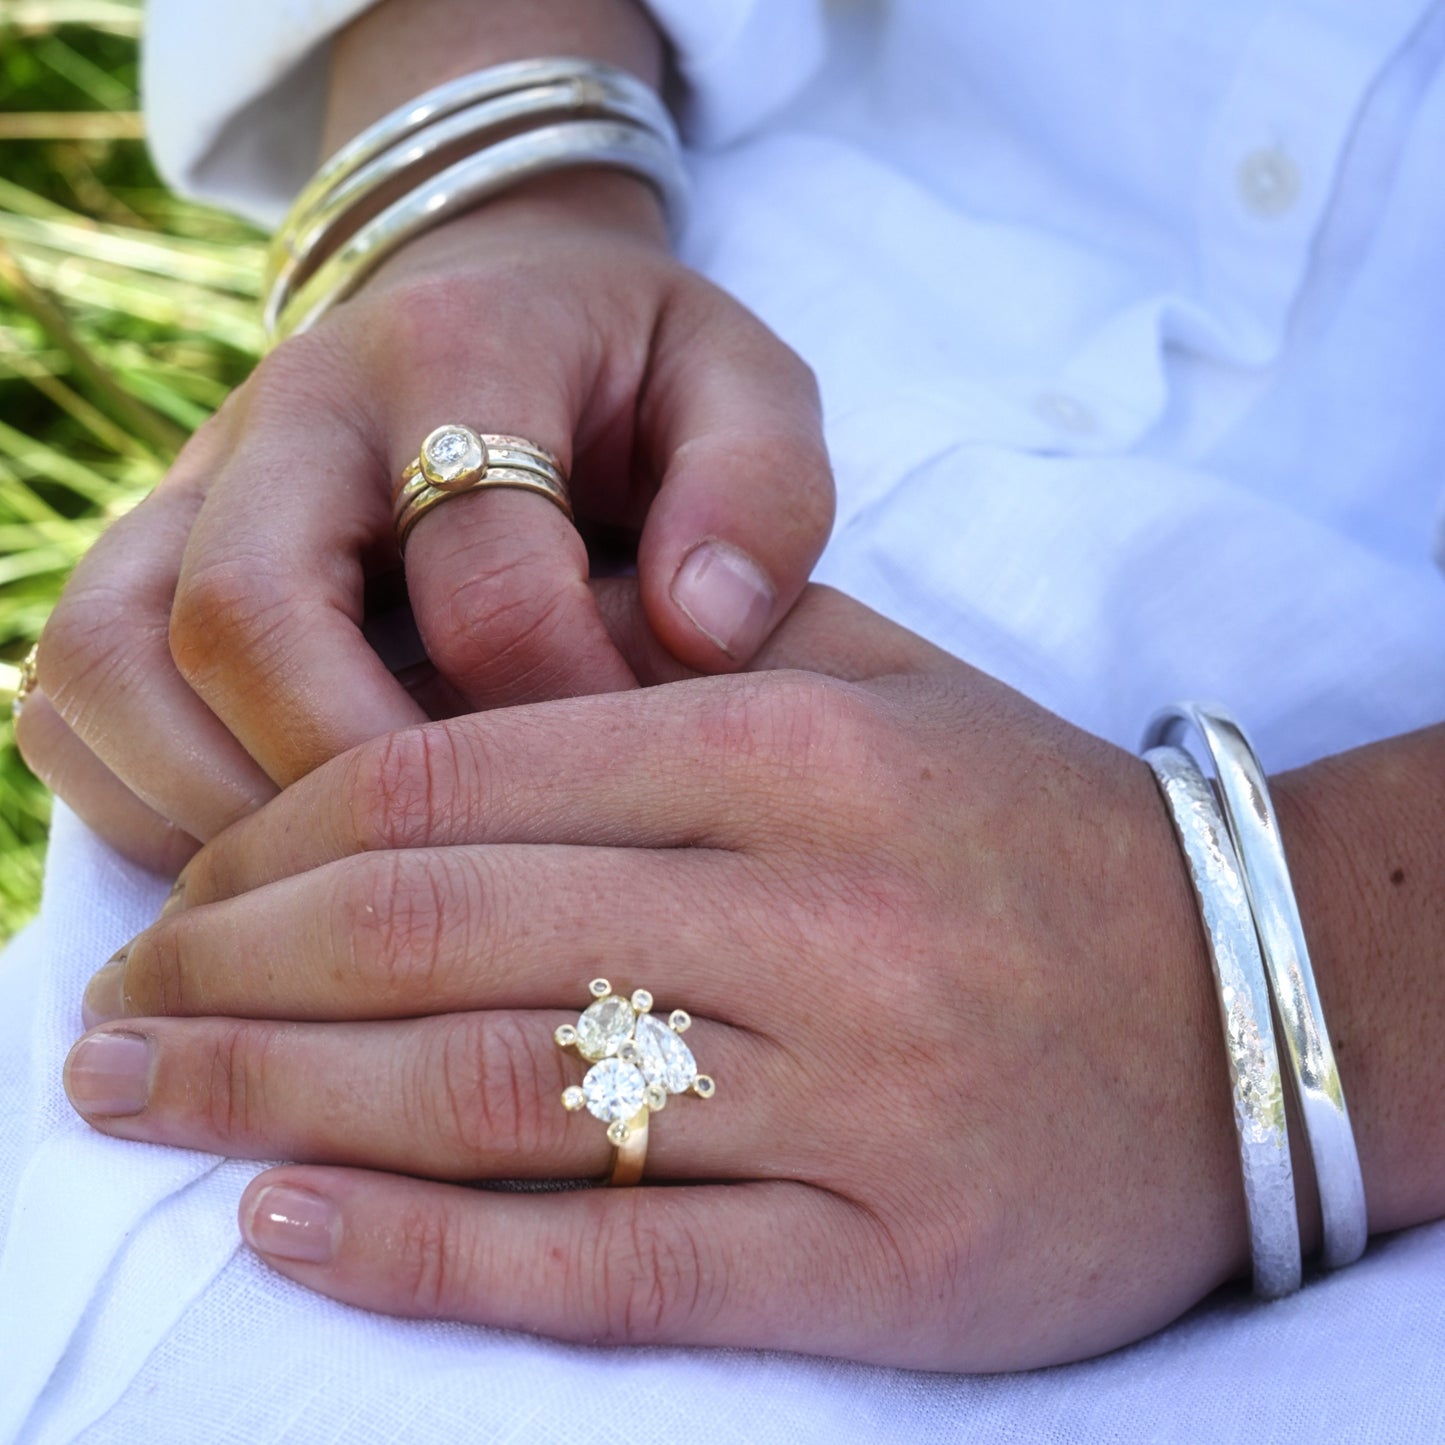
x=451, y=447
x=614, y=1090
x=452, y=454
x=664, y=1058
x=604, y=1028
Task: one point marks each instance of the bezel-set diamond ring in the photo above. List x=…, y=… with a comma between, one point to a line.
x=455, y=459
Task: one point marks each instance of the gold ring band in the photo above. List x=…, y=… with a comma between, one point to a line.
x=638, y=1062
x=27, y=681
x=454, y=460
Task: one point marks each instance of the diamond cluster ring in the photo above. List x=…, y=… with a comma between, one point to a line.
x=455, y=459
x=637, y=1062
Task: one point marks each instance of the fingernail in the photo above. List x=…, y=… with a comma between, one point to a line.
x=290, y=1223
x=104, y=999
x=727, y=596
x=109, y=1074
x=176, y=898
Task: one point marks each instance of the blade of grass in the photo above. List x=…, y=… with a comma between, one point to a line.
x=162, y=435
x=71, y=125
x=33, y=17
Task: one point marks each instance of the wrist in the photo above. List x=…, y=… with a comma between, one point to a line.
x=1363, y=836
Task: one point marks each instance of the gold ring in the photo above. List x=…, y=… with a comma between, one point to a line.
x=455, y=459
x=637, y=1062
x=25, y=685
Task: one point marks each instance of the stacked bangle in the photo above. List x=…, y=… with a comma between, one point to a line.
x=520, y=120
x=1234, y=824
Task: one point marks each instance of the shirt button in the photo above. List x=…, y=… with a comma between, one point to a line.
x=1268, y=182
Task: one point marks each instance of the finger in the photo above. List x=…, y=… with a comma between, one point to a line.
x=746, y=500
x=105, y=664
x=826, y=632
x=498, y=578
x=763, y=1265
x=270, y=599
x=71, y=771
x=441, y=930
x=662, y=768
x=459, y=1096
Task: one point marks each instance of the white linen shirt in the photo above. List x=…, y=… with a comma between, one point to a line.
x=1127, y=318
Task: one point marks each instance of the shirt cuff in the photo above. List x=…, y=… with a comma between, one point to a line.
x=235, y=89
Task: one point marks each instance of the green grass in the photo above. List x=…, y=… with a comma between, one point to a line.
x=126, y=315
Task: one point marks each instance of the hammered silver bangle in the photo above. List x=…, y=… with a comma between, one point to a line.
x=401, y=143
x=1254, y=1070
x=525, y=118
x=466, y=91
x=1254, y=830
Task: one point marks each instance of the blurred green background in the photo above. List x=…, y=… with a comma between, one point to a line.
x=126, y=315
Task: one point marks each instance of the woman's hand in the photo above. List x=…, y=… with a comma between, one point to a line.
x=972, y=1108
x=210, y=650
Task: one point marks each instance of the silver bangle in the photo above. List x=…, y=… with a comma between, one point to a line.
x=1254, y=830
x=444, y=100
x=477, y=178
x=1259, y=1117
x=598, y=93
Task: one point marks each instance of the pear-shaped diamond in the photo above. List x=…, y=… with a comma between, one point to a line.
x=664, y=1058
x=604, y=1028
x=614, y=1090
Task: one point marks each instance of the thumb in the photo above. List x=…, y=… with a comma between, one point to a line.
x=730, y=419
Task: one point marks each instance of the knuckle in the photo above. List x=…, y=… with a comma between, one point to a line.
x=230, y=610
x=402, y=322
x=806, y=725
x=89, y=648
x=406, y=320
x=309, y=374
x=398, y=786
x=656, y=1279
x=234, y=1099
x=488, y=1090
x=433, y=1265
x=155, y=971
x=513, y=618
x=389, y=916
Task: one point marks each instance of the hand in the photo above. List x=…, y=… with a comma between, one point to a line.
x=972, y=1109
x=209, y=650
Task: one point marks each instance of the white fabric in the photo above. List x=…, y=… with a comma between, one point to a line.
x=1127, y=319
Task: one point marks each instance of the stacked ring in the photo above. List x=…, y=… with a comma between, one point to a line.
x=454, y=459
